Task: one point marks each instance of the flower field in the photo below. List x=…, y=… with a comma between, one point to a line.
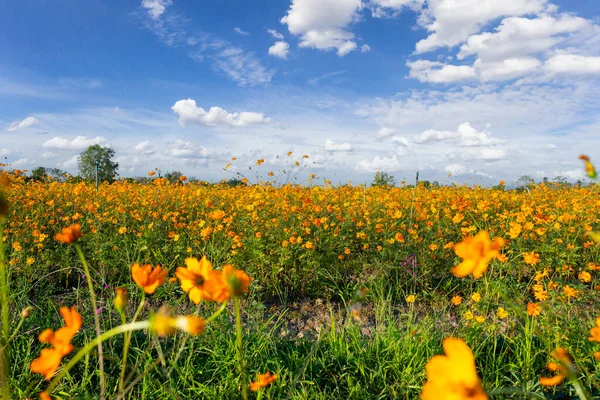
x=507, y=280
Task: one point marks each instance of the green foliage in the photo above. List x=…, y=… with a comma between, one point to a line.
x=99, y=156
x=383, y=179
x=173, y=176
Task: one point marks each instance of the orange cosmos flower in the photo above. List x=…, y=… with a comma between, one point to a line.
x=148, y=278
x=570, y=292
x=562, y=355
x=457, y=300
x=201, y=281
x=585, y=276
x=595, y=332
x=531, y=258
x=69, y=234
x=49, y=360
x=237, y=281
x=453, y=375
x=534, y=309
x=262, y=380
x=476, y=252
x=45, y=396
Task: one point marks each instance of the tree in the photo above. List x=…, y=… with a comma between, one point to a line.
x=38, y=174
x=383, y=179
x=173, y=176
x=100, y=157
x=525, y=181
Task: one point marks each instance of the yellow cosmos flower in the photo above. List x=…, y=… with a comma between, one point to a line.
x=595, y=332
x=476, y=252
x=453, y=376
x=501, y=313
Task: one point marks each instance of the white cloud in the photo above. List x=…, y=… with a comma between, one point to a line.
x=275, y=34
x=517, y=37
x=322, y=24
x=26, y=123
x=552, y=146
x=186, y=150
x=71, y=163
x=279, y=49
x=241, y=31
x=241, y=66
x=401, y=145
x=436, y=72
x=365, y=48
x=144, y=148
x=383, y=164
x=456, y=169
x=452, y=22
x=5, y=152
x=79, y=143
x=49, y=154
x=385, y=132
x=465, y=135
x=190, y=113
x=391, y=8
x=22, y=162
x=506, y=69
x=330, y=145
x=572, y=64
x=156, y=7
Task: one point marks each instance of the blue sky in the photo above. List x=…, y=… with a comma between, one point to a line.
x=478, y=89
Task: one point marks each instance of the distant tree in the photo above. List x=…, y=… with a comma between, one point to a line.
x=38, y=174
x=234, y=182
x=524, y=181
x=102, y=157
x=173, y=176
x=561, y=181
x=383, y=179
x=425, y=184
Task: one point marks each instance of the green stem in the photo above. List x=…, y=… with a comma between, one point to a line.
x=127, y=341
x=14, y=332
x=96, y=318
x=134, y=326
x=240, y=348
x=217, y=313
x=5, y=320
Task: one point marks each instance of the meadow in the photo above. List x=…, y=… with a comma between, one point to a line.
x=342, y=292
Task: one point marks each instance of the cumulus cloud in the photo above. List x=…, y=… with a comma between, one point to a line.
x=79, y=143
x=466, y=136
x=385, y=132
x=279, y=49
x=572, y=64
x=26, y=123
x=437, y=72
x=383, y=164
x=156, y=8
x=456, y=169
x=275, y=34
x=401, y=145
x=365, y=48
x=144, y=148
x=71, y=163
x=330, y=145
x=323, y=24
x=391, y=8
x=190, y=113
x=186, y=150
x=452, y=22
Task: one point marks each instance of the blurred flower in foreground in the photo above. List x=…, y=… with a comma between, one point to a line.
x=561, y=355
x=262, y=380
x=453, y=375
x=589, y=167
x=49, y=360
x=595, y=332
x=69, y=234
x=476, y=252
x=164, y=325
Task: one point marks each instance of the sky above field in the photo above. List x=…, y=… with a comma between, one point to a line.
x=481, y=90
